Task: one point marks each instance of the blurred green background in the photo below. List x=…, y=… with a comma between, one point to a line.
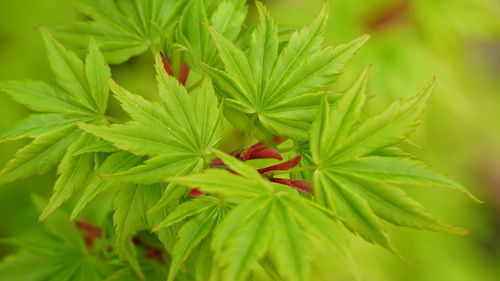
x=458, y=41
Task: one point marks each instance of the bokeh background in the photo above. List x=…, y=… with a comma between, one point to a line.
x=458, y=41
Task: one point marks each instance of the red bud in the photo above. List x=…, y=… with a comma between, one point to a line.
x=155, y=254
x=90, y=232
x=283, y=166
x=184, y=74
x=195, y=192
x=166, y=64
x=266, y=153
x=301, y=185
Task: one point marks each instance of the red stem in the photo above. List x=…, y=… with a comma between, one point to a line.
x=166, y=64
x=301, y=185
x=184, y=74
x=283, y=166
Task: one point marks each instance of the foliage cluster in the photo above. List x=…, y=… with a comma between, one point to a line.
x=310, y=169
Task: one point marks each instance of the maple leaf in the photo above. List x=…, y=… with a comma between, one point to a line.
x=362, y=185
x=54, y=250
x=81, y=95
x=175, y=134
x=124, y=28
x=226, y=17
x=269, y=220
x=201, y=215
x=277, y=91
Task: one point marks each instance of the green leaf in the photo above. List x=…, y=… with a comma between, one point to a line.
x=262, y=215
x=97, y=145
x=390, y=127
x=247, y=245
x=345, y=113
x=400, y=171
x=190, y=235
x=359, y=170
x=263, y=48
x=81, y=96
x=114, y=163
x=124, y=28
x=135, y=137
x=124, y=274
x=160, y=167
x=208, y=115
x=393, y=205
x=73, y=173
x=187, y=209
x=190, y=32
x=227, y=18
x=139, y=109
x=220, y=182
x=128, y=252
x=240, y=167
x=41, y=96
x=69, y=71
x=13, y=267
x=195, y=117
x=167, y=236
x=289, y=250
x=234, y=220
x=266, y=85
x=303, y=107
x=82, y=87
x=230, y=89
x=78, y=269
x=172, y=195
x=98, y=74
x=152, y=271
x=39, y=156
x=53, y=250
x=66, y=266
x=302, y=44
x=271, y=273
x=203, y=260
x=248, y=182
x=37, y=124
x=320, y=69
x=176, y=133
x=355, y=211
x=321, y=224
x=129, y=214
x=236, y=64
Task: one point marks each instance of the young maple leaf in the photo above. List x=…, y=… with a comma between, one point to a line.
x=275, y=90
x=54, y=250
x=359, y=182
x=131, y=203
x=227, y=17
x=175, y=134
x=81, y=95
x=124, y=28
x=269, y=220
x=201, y=214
